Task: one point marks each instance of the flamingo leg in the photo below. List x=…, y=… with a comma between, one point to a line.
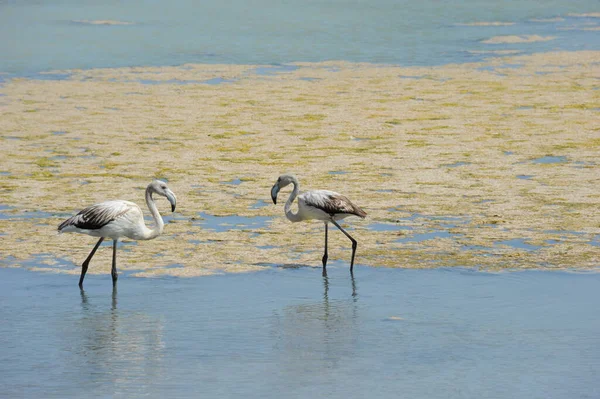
x=114, y=299
x=113, y=271
x=325, y=254
x=86, y=262
x=354, y=244
x=354, y=292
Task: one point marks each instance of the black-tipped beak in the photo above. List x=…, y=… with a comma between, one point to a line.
x=172, y=199
x=274, y=192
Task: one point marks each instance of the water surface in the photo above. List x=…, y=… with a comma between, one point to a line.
x=43, y=36
x=387, y=333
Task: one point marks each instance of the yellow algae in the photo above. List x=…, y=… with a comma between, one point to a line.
x=585, y=15
x=409, y=154
x=582, y=28
x=508, y=39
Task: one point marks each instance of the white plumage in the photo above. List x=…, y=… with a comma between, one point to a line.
x=116, y=219
x=327, y=206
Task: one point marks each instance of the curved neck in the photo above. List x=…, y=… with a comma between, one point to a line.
x=294, y=217
x=159, y=224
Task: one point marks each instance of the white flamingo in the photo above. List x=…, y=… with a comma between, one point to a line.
x=324, y=205
x=116, y=219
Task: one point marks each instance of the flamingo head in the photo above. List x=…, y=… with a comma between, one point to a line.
x=160, y=188
x=281, y=182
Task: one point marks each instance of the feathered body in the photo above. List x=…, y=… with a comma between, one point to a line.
x=327, y=206
x=117, y=219
x=110, y=219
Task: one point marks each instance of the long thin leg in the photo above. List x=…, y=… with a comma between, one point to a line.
x=86, y=262
x=354, y=244
x=325, y=254
x=113, y=271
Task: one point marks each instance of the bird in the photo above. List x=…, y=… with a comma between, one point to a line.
x=327, y=206
x=116, y=219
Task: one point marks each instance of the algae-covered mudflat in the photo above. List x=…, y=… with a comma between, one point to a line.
x=489, y=165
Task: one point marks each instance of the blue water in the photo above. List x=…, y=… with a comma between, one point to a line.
x=518, y=243
x=286, y=331
x=231, y=222
x=42, y=36
x=550, y=159
x=387, y=333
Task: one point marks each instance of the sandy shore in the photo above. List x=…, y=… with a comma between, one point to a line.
x=458, y=153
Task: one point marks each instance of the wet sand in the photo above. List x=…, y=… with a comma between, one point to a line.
x=489, y=165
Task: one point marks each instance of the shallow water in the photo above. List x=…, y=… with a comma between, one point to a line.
x=550, y=159
x=43, y=36
x=290, y=333
x=518, y=243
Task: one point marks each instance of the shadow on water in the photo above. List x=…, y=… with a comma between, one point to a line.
x=113, y=350
x=317, y=334
x=109, y=345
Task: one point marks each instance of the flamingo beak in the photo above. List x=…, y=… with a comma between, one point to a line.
x=274, y=192
x=172, y=199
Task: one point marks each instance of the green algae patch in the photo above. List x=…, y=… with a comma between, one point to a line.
x=459, y=144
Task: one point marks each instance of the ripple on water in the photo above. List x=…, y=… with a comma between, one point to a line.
x=286, y=327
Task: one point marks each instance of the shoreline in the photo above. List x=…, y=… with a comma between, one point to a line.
x=489, y=164
x=481, y=56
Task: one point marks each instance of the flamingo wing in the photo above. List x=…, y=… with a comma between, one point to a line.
x=97, y=216
x=332, y=203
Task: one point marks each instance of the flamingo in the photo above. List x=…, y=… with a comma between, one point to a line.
x=116, y=219
x=327, y=206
